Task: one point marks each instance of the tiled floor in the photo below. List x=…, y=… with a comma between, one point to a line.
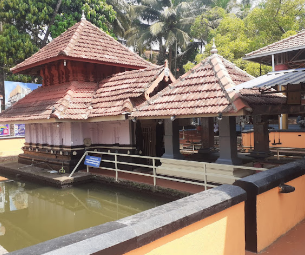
x=292, y=243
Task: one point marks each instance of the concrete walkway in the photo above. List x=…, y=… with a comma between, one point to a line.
x=36, y=173
x=292, y=243
x=2, y=250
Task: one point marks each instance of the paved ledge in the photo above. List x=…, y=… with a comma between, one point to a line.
x=2, y=250
x=43, y=175
x=264, y=181
x=124, y=235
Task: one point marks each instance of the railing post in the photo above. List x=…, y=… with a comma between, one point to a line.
x=205, y=175
x=78, y=163
x=116, y=167
x=87, y=169
x=154, y=172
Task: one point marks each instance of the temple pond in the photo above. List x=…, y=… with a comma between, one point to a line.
x=31, y=213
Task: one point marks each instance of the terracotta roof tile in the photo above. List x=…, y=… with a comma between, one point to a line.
x=85, y=41
x=83, y=100
x=70, y=100
x=291, y=43
x=200, y=91
x=114, y=91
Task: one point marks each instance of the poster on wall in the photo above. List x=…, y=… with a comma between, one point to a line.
x=14, y=91
x=4, y=129
x=19, y=129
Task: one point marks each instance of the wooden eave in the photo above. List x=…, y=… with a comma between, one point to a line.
x=33, y=69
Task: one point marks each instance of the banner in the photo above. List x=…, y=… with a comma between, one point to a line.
x=14, y=91
x=4, y=129
x=19, y=129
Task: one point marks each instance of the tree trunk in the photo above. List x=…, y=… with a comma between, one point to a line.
x=2, y=91
x=51, y=23
x=170, y=57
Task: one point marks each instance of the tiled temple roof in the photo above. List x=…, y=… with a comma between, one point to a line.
x=123, y=90
x=75, y=100
x=85, y=42
x=70, y=100
x=294, y=42
x=201, y=91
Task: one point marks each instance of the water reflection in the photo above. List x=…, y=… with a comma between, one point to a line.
x=30, y=214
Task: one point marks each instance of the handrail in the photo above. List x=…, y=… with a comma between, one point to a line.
x=153, y=167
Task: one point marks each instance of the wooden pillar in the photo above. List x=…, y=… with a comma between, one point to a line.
x=171, y=139
x=207, y=135
x=261, y=137
x=228, y=142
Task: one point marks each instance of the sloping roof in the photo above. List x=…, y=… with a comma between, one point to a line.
x=291, y=43
x=253, y=97
x=121, y=91
x=70, y=100
x=285, y=77
x=85, y=41
x=75, y=100
x=201, y=91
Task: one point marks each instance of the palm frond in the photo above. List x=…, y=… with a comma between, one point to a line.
x=157, y=28
x=170, y=39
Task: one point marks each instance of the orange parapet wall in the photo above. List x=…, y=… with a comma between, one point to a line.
x=288, y=139
x=272, y=208
x=277, y=212
x=221, y=233
x=11, y=146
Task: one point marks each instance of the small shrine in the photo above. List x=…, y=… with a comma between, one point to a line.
x=91, y=83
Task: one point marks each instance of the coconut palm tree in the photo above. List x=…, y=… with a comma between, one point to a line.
x=162, y=22
x=174, y=26
x=122, y=20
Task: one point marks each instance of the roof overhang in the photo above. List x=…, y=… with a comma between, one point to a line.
x=33, y=69
x=285, y=77
x=238, y=113
x=266, y=58
x=54, y=120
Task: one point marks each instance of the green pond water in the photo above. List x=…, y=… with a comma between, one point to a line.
x=31, y=213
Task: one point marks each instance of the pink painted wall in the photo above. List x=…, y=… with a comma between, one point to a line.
x=73, y=133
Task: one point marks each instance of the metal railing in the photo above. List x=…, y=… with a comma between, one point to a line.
x=153, y=166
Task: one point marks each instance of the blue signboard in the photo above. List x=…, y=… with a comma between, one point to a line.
x=93, y=161
x=19, y=129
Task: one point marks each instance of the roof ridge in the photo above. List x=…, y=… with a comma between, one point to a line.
x=236, y=67
x=111, y=38
x=178, y=81
x=224, y=70
x=74, y=36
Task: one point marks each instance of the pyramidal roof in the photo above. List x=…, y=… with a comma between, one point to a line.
x=202, y=91
x=84, y=42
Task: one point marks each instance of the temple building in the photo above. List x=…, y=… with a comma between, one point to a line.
x=208, y=91
x=91, y=83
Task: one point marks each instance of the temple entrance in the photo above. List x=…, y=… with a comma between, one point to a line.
x=149, y=138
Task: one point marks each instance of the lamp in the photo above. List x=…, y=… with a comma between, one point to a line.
x=160, y=122
x=173, y=118
x=219, y=116
x=134, y=119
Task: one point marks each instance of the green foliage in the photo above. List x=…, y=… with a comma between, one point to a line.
x=236, y=35
x=97, y=12
x=14, y=48
x=25, y=23
x=204, y=23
